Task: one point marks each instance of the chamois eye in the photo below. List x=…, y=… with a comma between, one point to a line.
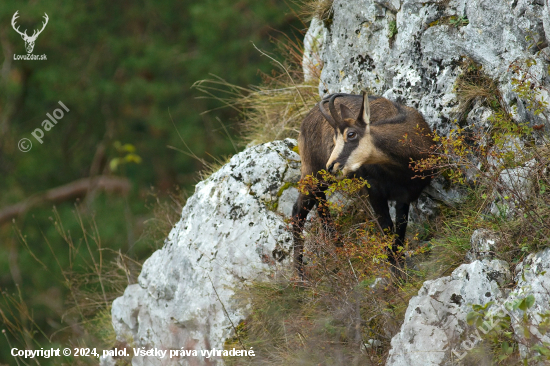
x=352, y=135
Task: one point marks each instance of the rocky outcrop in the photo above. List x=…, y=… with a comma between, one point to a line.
x=514, y=187
x=228, y=235
x=483, y=245
x=414, y=52
x=533, y=280
x=435, y=331
x=410, y=51
x=436, y=318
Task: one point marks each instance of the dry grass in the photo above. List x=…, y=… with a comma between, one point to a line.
x=93, y=276
x=274, y=110
x=473, y=85
x=338, y=316
x=92, y=282
x=165, y=214
x=320, y=9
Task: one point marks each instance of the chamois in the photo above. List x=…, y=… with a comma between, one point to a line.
x=366, y=140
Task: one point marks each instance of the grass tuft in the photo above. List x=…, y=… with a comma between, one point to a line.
x=474, y=85
x=320, y=9
x=274, y=110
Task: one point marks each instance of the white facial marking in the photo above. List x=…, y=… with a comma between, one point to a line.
x=365, y=153
x=338, y=147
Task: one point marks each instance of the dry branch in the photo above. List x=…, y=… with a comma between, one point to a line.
x=70, y=191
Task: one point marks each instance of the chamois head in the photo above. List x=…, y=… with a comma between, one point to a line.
x=353, y=138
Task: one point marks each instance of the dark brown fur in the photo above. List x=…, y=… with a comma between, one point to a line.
x=390, y=122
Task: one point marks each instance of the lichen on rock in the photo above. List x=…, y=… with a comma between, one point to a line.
x=420, y=66
x=225, y=238
x=436, y=318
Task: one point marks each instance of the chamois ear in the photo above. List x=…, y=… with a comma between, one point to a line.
x=346, y=113
x=364, y=113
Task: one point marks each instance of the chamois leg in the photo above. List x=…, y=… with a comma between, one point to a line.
x=324, y=214
x=382, y=210
x=301, y=208
x=401, y=220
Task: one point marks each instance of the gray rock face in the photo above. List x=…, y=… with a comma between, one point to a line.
x=483, y=244
x=546, y=20
x=436, y=318
x=419, y=65
x=533, y=279
x=314, y=41
x=435, y=331
x=428, y=205
x=226, y=237
x=515, y=186
x=517, y=182
x=498, y=157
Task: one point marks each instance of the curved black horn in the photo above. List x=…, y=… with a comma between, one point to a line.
x=333, y=118
x=327, y=116
x=332, y=109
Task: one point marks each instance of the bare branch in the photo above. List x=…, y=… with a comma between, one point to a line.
x=70, y=191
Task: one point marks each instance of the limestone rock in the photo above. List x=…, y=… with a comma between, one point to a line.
x=226, y=237
x=546, y=20
x=435, y=321
x=483, y=242
x=517, y=182
x=515, y=185
x=533, y=279
x=478, y=117
x=419, y=65
x=436, y=318
x=391, y=5
x=314, y=43
x=428, y=205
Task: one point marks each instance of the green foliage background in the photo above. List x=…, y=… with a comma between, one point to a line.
x=124, y=69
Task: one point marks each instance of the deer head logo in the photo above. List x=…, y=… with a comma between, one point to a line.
x=29, y=41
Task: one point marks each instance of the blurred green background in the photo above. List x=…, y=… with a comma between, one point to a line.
x=124, y=69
